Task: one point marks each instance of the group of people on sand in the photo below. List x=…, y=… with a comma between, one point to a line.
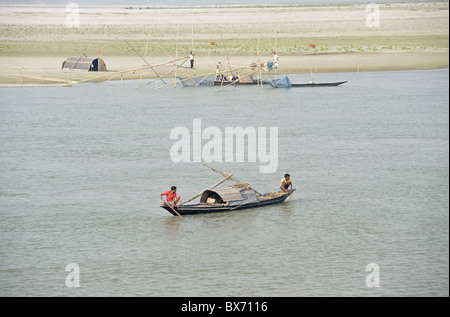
x=221, y=77
x=172, y=198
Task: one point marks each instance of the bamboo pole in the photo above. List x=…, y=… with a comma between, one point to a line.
x=152, y=81
x=176, y=56
x=145, y=53
x=127, y=71
x=204, y=75
x=239, y=48
x=171, y=207
x=144, y=60
x=50, y=79
x=259, y=67
x=224, y=174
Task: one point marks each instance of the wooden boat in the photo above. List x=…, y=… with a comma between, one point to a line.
x=197, y=81
x=319, y=84
x=235, y=197
x=275, y=84
x=285, y=82
x=227, y=82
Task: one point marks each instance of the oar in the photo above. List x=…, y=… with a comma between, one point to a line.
x=171, y=207
x=241, y=205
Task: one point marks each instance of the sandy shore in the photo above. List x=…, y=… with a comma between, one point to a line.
x=36, y=40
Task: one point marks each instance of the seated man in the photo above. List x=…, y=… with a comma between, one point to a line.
x=171, y=197
x=286, y=183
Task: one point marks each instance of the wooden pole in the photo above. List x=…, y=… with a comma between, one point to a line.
x=176, y=56
x=145, y=53
x=259, y=67
x=126, y=71
x=144, y=60
x=152, y=81
x=224, y=174
x=204, y=75
x=171, y=207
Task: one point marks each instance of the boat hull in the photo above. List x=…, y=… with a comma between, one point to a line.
x=319, y=84
x=202, y=209
x=256, y=82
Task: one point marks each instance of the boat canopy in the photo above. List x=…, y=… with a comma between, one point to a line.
x=229, y=195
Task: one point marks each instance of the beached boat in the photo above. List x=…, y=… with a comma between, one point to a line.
x=235, y=197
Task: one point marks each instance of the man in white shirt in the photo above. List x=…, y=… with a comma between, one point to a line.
x=191, y=58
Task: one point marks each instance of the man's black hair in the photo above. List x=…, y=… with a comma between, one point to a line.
x=173, y=188
x=286, y=175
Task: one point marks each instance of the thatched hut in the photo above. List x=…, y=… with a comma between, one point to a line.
x=89, y=64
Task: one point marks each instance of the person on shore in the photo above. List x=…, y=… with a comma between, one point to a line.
x=172, y=198
x=275, y=60
x=218, y=75
x=286, y=183
x=191, y=59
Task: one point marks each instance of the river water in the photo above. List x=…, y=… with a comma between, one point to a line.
x=82, y=169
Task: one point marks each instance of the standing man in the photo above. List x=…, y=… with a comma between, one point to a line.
x=286, y=183
x=171, y=197
x=276, y=60
x=191, y=58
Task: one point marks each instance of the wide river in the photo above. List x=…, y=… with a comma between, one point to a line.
x=81, y=170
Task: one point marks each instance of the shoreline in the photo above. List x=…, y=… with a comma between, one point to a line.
x=35, y=40
x=47, y=73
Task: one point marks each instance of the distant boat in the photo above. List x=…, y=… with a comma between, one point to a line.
x=320, y=84
x=226, y=80
x=235, y=197
x=283, y=82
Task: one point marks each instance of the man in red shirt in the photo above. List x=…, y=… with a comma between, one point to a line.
x=171, y=197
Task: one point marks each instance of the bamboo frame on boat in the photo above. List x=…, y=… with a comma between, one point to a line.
x=225, y=174
x=205, y=75
x=212, y=187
